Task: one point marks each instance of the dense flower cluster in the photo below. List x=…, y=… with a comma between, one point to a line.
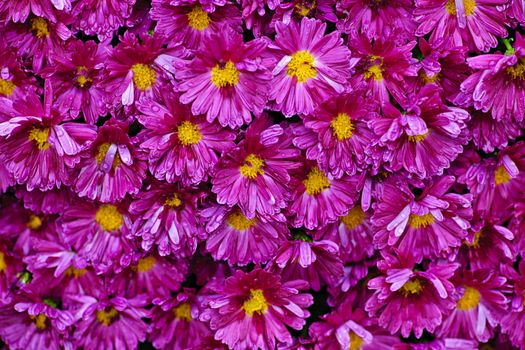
x=262, y=174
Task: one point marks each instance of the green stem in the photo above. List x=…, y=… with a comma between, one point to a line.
x=510, y=49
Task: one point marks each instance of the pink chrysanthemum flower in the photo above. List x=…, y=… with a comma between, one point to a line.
x=240, y=240
x=411, y=300
x=98, y=233
x=498, y=85
x=310, y=66
x=516, y=10
x=294, y=10
x=140, y=66
x=336, y=134
x=102, y=18
x=10, y=267
x=181, y=146
x=480, y=306
x=38, y=147
x=111, y=167
x=209, y=6
x=316, y=262
x=319, y=199
x=75, y=75
x=255, y=174
x=247, y=303
x=175, y=322
x=514, y=320
x=49, y=202
x=167, y=218
x=14, y=82
x=188, y=24
x=427, y=225
x=382, y=67
x=425, y=138
x=19, y=10
x=228, y=79
x=377, y=19
x=489, y=134
x=473, y=23
x=440, y=344
x=111, y=323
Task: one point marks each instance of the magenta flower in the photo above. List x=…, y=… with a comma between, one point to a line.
x=411, y=300
x=489, y=134
x=310, y=66
x=295, y=10
x=20, y=10
x=38, y=147
x=14, y=82
x=257, y=16
x=514, y=319
x=49, y=202
x=246, y=303
x=240, y=240
x=111, y=167
x=187, y=24
x=472, y=23
x=181, y=147
x=227, y=82
x=255, y=174
x=11, y=267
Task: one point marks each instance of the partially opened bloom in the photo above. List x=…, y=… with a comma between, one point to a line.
x=295, y=10
x=181, y=146
x=310, y=66
x=252, y=310
x=49, y=202
x=228, y=79
x=20, y=10
x=14, y=82
x=255, y=174
x=489, y=133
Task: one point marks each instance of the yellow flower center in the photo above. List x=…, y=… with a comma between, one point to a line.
x=40, y=137
x=106, y=317
x=173, y=201
x=374, y=69
x=39, y=27
x=354, y=218
x=418, y=138
x=470, y=7
x=303, y=9
x=342, y=126
x=501, y=176
x=252, y=167
x=515, y=72
x=356, y=342
x=183, y=312
x=428, y=80
x=302, y=66
x=143, y=76
x=76, y=273
x=470, y=299
x=475, y=241
x=420, y=221
x=198, y=19
x=3, y=264
x=102, y=150
x=256, y=303
x=412, y=287
x=109, y=218
x=223, y=76
x=189, y=133
x=34, y=222
x=82, y=76
x=316, y=182
x=238, y=221
x=40, y=321
x=6, y=87
x=146, y=264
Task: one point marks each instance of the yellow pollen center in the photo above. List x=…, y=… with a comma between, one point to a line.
x=356, y=342
x=515, y=72
x=228, y=75
x=76, y=273
x=40, y=321
x=354, y=218
x=420, y=221
x=304, y=9
x=102, y=150
x=342, y=126
x=256, y=303
x=374, y=71
x=238, y=221
x=34, y=222
x=82, y=76
x=198, y=19
x=428, y=80
x=475, y=241
x=6, y=87
x=412, y=287
x=3, y=264
x=316, y=182
x=173, y=201
x=470, y=7
x=40, y=137
x=39, y=27
x=106, y=317
x=183, y=312
x=302, y=66
x=501, y=176
x=470, y=299
x=418, y=138
x=143, y=76
x=109, y=218
x=189, y=133
x=252, y=167
x=146, y=264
